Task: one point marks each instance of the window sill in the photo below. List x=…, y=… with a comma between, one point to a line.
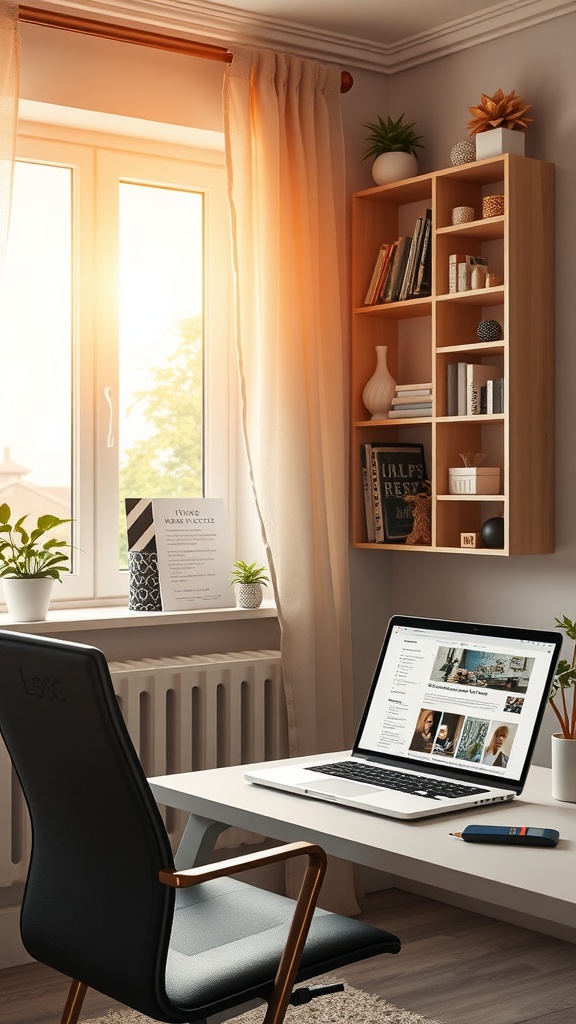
x=71, y=620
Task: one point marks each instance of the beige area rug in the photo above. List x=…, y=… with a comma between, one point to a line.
x=348, y=1007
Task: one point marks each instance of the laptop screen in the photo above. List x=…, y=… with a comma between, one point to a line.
x=459, y=696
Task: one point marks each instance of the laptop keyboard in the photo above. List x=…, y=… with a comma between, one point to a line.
x=387, y=778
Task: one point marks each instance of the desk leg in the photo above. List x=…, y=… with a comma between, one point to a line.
x=197, y=843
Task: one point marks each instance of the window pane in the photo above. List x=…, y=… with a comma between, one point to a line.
x=160, y=357
x=36, y=346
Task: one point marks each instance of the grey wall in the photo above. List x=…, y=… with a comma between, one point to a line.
x=539, y=64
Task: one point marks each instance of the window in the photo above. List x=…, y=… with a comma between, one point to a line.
x=115, y=332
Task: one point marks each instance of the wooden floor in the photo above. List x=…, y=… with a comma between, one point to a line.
x=455, y=967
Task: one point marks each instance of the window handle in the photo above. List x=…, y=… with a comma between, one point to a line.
x=108, y=397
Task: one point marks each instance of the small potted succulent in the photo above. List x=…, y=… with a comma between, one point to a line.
x=29, y=564
x=564, y=742
x=498, y=124
x=392, y=145
x=248, y=581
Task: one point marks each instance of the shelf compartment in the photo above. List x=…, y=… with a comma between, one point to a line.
x=465, y=516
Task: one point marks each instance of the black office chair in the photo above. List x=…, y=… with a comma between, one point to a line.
x=103, y=902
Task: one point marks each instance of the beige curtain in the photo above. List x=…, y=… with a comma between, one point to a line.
x=9, y=90
x=285, y=159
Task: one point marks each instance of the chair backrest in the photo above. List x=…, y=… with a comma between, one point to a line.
x=93, y=907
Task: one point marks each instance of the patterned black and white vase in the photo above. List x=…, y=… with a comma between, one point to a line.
x=144, y=586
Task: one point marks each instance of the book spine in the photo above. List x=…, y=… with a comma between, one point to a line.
x=454, y=261
x=407, y=282
x=461, y=389
x=367, y=489
x=452, y=389
x=423, y=278
x=372, y=287
x=489, y=397
x=376, y=498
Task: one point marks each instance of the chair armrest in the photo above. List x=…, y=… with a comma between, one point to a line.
x=185, y=878
x=303, y=911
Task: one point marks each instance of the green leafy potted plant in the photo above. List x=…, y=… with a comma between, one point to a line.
x=392, y=146
x=29, y=564
x=564, y=707
x=248, y=581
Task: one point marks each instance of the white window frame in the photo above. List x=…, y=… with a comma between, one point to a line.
x=97, y=158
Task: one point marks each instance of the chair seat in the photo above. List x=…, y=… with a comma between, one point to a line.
x=228, y=936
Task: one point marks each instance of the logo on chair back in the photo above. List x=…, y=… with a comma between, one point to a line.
x=50, y=689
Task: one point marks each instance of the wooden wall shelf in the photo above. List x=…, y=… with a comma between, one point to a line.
x=423, y=335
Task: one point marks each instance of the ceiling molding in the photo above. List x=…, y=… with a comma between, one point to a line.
x=213, y=22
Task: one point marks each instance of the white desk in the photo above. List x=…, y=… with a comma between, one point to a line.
x=532, y=886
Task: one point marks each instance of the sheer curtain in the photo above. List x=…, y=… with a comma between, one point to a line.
x=9, y=89
x=286, y=181
x=285, y=159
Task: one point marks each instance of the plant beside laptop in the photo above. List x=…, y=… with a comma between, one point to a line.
x=249, y=580
x=564, y=680
x=29, y=563
x=564, y=742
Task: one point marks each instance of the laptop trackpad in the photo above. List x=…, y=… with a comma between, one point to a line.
x=341, y=787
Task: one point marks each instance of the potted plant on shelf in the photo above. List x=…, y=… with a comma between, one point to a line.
x=393, y=144
x=564, y=742
x=29, y=564
x=498, y=122
x=248, y=581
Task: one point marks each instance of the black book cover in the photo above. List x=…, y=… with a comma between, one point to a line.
x=398, y=469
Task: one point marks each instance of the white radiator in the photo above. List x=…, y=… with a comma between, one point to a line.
x=183, y=714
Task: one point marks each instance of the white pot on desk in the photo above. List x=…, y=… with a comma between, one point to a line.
x=563, y=768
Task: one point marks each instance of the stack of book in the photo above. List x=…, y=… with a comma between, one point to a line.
x=473, y=389
x=403, y=267
x=411, y=400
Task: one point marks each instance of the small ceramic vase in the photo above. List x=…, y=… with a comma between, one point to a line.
x=380, y=389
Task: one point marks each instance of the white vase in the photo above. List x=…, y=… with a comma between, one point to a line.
x=496, y=141
x=27, y=599
x=394, y=166
x=248, y=595
x=563, y=768
x=380, y=389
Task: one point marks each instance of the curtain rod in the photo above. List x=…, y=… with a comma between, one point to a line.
x=123, y=34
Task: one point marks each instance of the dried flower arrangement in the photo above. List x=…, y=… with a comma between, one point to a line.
x=502, y=110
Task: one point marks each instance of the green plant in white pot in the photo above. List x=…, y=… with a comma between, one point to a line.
x=393, y=146
x=29, y=564
x=248, y=580
x=564, y=707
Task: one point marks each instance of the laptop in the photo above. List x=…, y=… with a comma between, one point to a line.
x=450, y=722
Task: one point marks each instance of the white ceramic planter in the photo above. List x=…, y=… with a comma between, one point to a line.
x=27, y=599
x=563, y=768
x=497, y=141
x=248, y=595
x=394, y=166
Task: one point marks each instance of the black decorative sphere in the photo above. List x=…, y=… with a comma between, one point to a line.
x=493, y=532
x=489, y=330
